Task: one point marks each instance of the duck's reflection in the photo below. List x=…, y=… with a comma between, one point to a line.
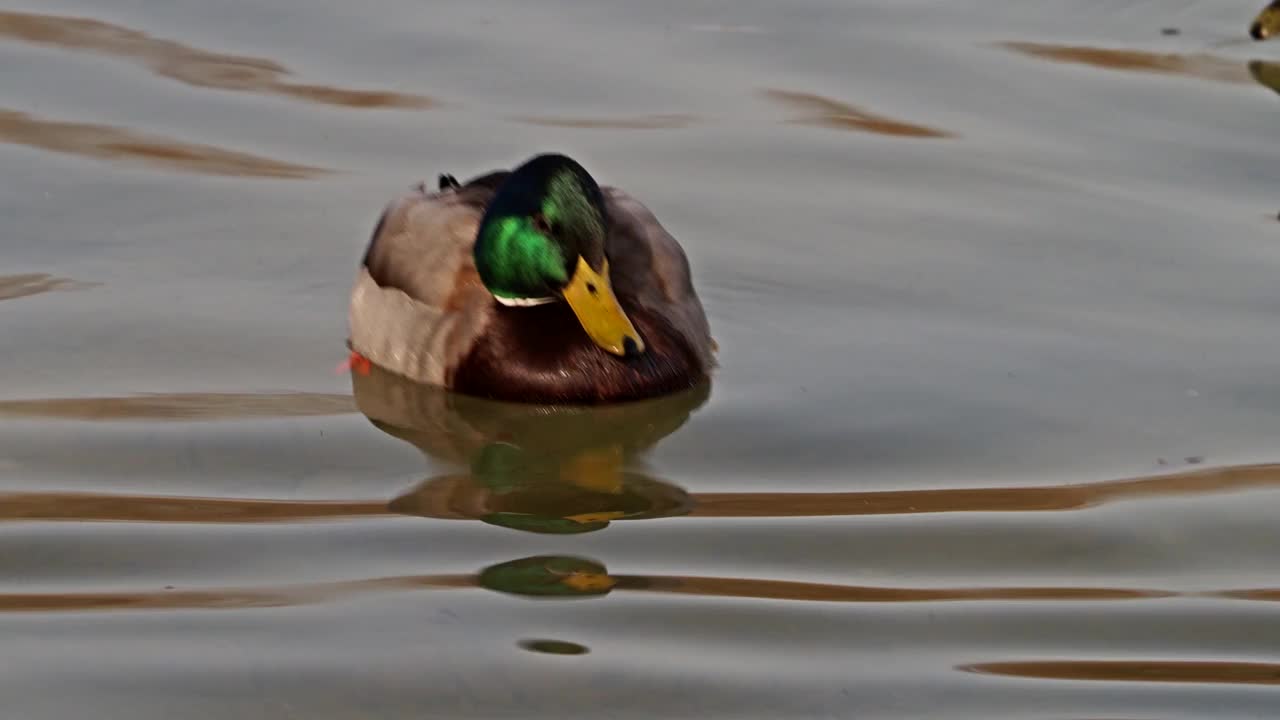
x=537, y=468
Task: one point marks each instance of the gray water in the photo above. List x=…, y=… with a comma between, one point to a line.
x=994, y=285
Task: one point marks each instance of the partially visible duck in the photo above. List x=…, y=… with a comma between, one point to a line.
x=1267, y=23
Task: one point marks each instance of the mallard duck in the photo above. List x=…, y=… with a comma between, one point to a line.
x=1267, y=24
x=530, y=285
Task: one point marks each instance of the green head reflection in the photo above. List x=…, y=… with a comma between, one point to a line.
x=548, y=576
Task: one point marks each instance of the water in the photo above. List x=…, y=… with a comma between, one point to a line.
x=994, y=285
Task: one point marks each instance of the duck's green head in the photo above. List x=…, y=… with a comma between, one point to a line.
x=1267, y=24
x=542, y=240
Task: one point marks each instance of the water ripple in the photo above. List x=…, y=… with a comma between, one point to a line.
x=25, y=285
x=105, y=142
x=180, y=406
x=190, y=65
x=1199, y=66
x=639, y=122
x=1149, y=671
x=449, y=497
x=813, y=109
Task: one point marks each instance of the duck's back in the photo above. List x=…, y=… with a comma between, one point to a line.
x=418, y=303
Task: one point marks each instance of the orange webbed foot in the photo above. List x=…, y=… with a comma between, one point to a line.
x=355, y=362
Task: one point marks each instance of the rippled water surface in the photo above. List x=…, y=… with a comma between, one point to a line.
x=995, y=290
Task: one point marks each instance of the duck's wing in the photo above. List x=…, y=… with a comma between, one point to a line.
x=418, y=304
x=649, y=267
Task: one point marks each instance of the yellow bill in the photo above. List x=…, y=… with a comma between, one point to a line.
x=591, y=297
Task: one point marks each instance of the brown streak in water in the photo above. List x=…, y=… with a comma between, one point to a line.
x=189, y=65
x=1204, y=67
x=1189, y=671
x=223, y=599
x=90, y=507
x=127, y=508
x=643, y=122
x=227, y=598
x=823, y=592
x=1258, y=594
x=17, y=286
x=182, y=406
x=1007, y=499
x=110, y=143
x=825, y=112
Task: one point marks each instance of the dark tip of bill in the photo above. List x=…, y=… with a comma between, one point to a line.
x=630, y=348
x=1256, y=31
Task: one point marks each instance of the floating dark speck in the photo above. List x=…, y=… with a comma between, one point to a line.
x=554, y=647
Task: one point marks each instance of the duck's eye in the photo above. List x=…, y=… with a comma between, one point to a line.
x=540, y=224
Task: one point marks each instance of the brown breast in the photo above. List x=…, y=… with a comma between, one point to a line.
x=541, y=354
